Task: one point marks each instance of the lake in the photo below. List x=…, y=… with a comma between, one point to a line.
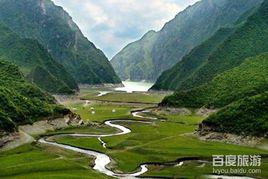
x=130, y=86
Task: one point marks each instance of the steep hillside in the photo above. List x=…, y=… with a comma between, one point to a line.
x=248, y=79
x=56, y=31
x=172, y=78
x=244, y=117
x=20, y=101
x=30, y=56
x=248, y=40
x=187, y=30
x=134, y=62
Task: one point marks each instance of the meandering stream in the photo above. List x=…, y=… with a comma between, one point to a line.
x=101, y=160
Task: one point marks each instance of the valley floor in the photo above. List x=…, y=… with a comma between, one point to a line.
x=163, y=142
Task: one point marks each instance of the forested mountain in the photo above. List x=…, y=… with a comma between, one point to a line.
x=135, y=62
x=22, y=102
x=239, y=85
x=172, y=79
x=35, y=62
x=243, y=90
x=247, y=116
x=178, y=37
x=55, y=30
x=248, y=40
x=248, y=79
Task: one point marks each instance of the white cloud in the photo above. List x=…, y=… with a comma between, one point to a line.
x=112, y=24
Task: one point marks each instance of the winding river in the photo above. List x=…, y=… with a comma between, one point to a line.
x=102, y=160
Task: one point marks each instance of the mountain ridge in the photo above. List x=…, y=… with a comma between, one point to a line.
x=171, y=79
x=174, y=77
x=28, y=54
x=140, y=68
x=249, y=39
x=235, y=82
x=55, y=30
x=245, y=80
x=187, y=30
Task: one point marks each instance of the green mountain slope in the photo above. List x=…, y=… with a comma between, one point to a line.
x=173, y=78
x=248, y=79
x=55, y=30
x=130, y=62
x=21, y=102
x=29, y=55
x=249, y=40
x=178, y=37
x=247, y=117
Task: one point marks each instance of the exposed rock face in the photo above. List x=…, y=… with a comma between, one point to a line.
x=25, y=133
x=73, y=119
x=14, y=140
x=205, y=111
x=206, y=134
x=179, y=111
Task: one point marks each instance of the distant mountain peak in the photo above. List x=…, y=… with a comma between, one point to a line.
x=190, y=28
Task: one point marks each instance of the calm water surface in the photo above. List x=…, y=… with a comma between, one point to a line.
x=130, y=86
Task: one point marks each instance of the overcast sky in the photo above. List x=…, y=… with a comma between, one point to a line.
x=112, y=24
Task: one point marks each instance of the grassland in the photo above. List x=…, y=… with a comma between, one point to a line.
x=186, y=171
x=40, y=161
x=33, y=161
x=99, y=112
x=135, y=97
x=159, y=141
x=92, y=129
x=162, y=142
x=92, y=92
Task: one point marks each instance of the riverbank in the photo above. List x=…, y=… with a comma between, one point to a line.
x=102, y=161
x=230, y=138
x=207, y=135
x=14, y=140
x=162, y=136
x=27, y=133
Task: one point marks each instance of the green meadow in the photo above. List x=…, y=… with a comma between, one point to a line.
x=34, y=161
x=162, y=142
x=159, y=141
x=99, y=112
x=136, y=97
